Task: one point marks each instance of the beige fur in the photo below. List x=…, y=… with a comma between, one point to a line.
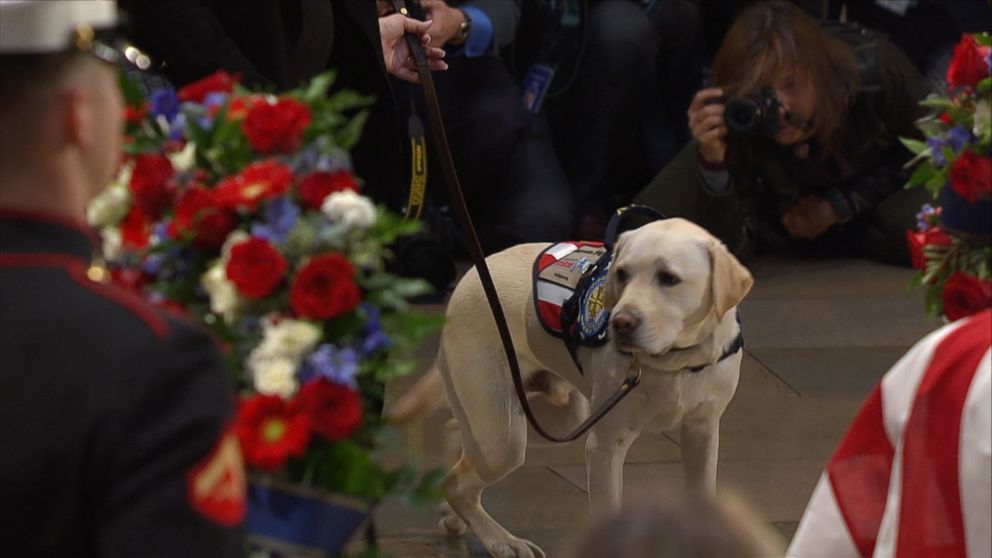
x=670, y=327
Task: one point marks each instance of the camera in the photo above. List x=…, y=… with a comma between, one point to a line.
x=753, y=116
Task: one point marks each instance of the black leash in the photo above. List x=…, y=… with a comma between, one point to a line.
x=478, y=258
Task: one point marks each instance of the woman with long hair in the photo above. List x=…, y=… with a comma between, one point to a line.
x=796, y=141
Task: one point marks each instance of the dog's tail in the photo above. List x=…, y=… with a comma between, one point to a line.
x=426, y=395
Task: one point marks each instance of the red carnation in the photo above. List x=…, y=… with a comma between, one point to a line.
x=270, y=431
x=199, y=213
x=276, y=127
x=334, y=410
x=255, y=267
x=315, y=187
x=934, y=236
x=136, y=228
x=964, y=295
x=217, y=82
x=257, y=182
x=324, y=288
x=967, y=64
x=971, y=176
x=150, y=185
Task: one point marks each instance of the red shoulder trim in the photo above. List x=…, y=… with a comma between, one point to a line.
x=76, y=268
x=142, y=309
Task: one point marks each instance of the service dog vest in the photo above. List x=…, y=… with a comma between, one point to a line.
x=569, y=290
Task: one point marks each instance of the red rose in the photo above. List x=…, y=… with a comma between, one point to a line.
x=276, y=127
x=199, y=213
x=150, y=185
x=270, y=431
x=315, y=187
x=217, y=82
x=136, y=228
x=324, y=288
x=971, y=176
x=934, y=236
x=257, y=182
x=964, y=295
x=255, y=267
x=967, y=63
x=334, y=410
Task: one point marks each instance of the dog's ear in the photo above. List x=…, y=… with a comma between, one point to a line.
x=731, y=280
x=613, y=290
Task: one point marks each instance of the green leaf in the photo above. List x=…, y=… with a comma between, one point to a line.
x=939, y=103
x=985, y=86
x=922, y=174
x=349, y=134
x=318, y=87
x=914, y=146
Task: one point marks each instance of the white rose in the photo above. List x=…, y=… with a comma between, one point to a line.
x=350, y=209
x=111, y=243
x=183, y=161
x=224, y=299
x=273, y=376
x=112, y=204
x=289, y=339
x=983, y=117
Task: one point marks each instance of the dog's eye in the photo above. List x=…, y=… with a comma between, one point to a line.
x=667, y=279
x=621, y=275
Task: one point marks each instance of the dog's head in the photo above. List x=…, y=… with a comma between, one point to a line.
x=669, y=285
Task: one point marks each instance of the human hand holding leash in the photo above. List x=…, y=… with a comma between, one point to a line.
x=396, y=53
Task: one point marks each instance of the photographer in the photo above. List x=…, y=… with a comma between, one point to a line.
x=797, y=141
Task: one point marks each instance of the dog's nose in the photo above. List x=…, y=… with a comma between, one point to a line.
x=624, y=322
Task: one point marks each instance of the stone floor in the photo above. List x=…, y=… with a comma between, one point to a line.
x=819, y=334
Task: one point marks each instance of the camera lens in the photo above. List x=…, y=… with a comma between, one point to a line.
x=741, y=115
x=752, y=116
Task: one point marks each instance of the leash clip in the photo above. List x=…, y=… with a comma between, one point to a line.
x=633, y=374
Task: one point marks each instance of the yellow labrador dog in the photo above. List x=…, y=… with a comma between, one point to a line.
x=672, y=289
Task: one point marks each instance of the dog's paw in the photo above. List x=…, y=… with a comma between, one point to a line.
x=450, y=523
x=515, y=548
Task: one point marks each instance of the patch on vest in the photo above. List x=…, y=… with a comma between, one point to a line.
x=557, y=273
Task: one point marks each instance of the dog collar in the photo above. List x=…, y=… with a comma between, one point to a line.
x=730, y=350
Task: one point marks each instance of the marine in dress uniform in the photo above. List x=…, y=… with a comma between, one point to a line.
x=113, y=413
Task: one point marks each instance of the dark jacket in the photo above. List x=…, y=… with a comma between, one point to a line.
x=109, y=411
x=281, y=44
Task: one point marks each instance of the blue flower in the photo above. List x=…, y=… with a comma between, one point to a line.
x=924, y=217
x=214, y=99
x=165, y=103
x=936, y=146
x=959, y=137
x=373, y=337
x=337, y=365
x=279, y=216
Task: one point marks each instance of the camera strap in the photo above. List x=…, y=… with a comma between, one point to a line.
x=461, y=212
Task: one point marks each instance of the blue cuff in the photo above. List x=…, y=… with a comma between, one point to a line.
x=481, y=35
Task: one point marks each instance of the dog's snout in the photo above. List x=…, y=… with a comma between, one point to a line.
x=625, y=322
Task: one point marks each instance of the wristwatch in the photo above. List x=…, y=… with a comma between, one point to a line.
x=464, y=28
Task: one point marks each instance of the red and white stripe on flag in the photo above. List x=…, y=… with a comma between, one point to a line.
x=912, y=476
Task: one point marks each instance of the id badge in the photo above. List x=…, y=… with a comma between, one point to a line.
x=536, y=84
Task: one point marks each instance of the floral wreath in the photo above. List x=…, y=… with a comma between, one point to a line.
x=241, y=211
x=952, y=246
